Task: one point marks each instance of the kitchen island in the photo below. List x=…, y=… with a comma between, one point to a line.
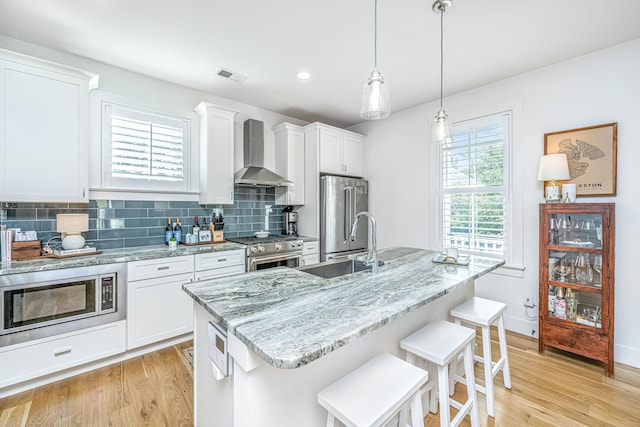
x=291, y=333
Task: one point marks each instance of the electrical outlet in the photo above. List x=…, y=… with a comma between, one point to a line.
x=527, y=301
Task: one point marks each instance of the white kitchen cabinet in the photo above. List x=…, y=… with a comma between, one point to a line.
x=157, y=307
x=44, y=131
x=36, y=358
x=289, y=141
x=216, y=153
x=214, y=265
x=310, y=253
x=340, y=152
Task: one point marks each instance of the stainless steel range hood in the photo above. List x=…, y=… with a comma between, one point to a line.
x=254, y=172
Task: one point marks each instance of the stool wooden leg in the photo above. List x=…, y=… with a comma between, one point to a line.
x=417, y=418
x=471, y=386
x=443, y=391
x=453, y=369
x=331, y=421
x=488, y=376
x=502, y=337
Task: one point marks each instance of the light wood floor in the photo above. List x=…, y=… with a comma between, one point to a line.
x=557, y=389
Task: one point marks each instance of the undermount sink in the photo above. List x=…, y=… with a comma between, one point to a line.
x=330, y=269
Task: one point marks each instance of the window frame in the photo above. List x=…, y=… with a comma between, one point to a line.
x=111, y=183
x=507, y=185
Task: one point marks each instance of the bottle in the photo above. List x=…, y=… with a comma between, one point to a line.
x=177, y=231
x=168, y=231
x=205, y=226
x=196, y=226
x=560, y=304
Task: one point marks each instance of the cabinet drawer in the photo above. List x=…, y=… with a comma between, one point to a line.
x=152, y=268
x=577, y=341
x=216, y=273
x=41, y=357
x=220, y=259
x=310, y=248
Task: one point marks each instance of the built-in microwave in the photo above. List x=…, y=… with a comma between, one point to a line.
x=46, y=303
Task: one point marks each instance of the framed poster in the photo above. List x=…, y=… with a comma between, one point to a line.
x=591, y=153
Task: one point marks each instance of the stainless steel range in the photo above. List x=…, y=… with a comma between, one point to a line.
x=272, y=251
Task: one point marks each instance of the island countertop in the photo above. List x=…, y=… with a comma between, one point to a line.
x=290, y=318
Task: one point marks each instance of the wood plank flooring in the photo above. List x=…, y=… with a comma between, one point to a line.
x=557, y=389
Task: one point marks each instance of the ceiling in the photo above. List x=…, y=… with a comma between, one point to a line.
x=187, y=42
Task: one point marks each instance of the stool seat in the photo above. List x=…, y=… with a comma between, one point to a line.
x=480, y=311
x=440, y=343
x=375, y=392
x=484, y=312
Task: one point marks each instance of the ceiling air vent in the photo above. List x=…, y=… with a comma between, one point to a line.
x=231, y=75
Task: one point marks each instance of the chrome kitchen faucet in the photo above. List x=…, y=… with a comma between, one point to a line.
x=372, y=254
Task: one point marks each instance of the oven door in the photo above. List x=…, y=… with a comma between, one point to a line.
x=291, y=259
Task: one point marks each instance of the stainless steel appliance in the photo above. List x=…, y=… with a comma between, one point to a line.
x=290, y=222
x=46, y=303
x=272, y=251
x=341, y=198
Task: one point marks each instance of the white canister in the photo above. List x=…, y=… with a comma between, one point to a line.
x=569, y=192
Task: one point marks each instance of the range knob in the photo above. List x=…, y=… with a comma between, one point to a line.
x=253, y=249
x=260, y=248
x=277, y=246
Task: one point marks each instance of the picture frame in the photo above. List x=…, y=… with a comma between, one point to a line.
x=592, y=155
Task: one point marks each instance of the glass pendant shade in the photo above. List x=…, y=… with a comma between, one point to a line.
x=441, y=127
x=375, y=98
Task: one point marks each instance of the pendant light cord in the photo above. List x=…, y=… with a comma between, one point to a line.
x=375, y=34
x=441, y=52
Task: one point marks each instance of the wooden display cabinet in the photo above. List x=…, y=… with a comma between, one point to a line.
x=576, y=277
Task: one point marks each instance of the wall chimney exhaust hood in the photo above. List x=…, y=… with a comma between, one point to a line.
x=254, y=172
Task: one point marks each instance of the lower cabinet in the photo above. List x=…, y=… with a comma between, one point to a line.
x=157, y=307
x=22, y=362
x=310, y=253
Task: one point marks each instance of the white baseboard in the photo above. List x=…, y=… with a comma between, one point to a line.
x=521, y=326
x=627, y=355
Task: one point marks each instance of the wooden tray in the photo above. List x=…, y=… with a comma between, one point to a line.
x=443, y=259
x=70, y=255
x=202, y=243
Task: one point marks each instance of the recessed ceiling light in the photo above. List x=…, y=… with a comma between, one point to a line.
x=303, y=75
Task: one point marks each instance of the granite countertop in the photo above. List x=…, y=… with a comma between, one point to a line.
x=111, y=256
x=290, y=318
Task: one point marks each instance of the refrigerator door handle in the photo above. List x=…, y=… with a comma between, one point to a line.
x=348, y=211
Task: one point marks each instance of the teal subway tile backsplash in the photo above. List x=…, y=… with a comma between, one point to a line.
x=127, y=223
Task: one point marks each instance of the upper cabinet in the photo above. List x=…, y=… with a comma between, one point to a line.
x=216, y=153
x=289, y=141
x=44, y=131
x=340, y=151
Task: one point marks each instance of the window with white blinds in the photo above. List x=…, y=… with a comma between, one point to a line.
x=474, y=183
x=144, y=150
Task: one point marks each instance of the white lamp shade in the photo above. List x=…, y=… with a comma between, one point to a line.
x=69, y=223
x=553, y=167
x=375, y=98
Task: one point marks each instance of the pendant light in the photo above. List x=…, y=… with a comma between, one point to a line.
x=441, y=128
x=375, y=95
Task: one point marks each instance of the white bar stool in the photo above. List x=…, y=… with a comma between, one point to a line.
x=440, y=343
x=376, y=391
x=483, y=312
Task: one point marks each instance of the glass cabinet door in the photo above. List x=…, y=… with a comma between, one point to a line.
x=575, y=268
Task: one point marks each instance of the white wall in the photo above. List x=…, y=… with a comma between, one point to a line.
x=145, y=92
x=598, y=88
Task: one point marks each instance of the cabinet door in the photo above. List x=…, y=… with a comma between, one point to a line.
x=216, y=154
x=331, y=152
x=43, y=135
x=352, y=156
x=158, y=309
x=290, y=163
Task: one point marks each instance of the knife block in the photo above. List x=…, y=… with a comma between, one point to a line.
x=218, y=236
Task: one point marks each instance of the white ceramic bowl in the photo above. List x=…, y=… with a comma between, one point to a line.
x=261, y=234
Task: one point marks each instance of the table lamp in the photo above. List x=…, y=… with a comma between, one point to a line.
x=553, y=167
x=71, y=226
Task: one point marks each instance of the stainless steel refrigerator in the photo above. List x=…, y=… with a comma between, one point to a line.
x=341, y=198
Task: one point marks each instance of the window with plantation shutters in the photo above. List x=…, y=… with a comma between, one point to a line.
x=474, y=185
x=144, y=150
